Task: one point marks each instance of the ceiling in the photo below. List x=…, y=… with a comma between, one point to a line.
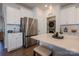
x=40, y=5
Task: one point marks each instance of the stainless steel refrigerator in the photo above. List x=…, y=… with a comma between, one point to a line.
x=28, y=28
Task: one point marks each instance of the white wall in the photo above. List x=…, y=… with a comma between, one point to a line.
x=51, y=11
x=40, y=15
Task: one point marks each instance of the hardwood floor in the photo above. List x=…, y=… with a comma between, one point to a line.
x=20, y=52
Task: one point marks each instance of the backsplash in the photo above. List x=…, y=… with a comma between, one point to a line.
x=70, y=29
x=14, y=28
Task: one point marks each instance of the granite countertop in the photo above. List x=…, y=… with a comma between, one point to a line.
x=69, y=42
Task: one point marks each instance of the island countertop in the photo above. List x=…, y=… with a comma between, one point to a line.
x=69, y=42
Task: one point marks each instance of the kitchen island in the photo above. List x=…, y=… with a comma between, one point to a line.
x=69, y=42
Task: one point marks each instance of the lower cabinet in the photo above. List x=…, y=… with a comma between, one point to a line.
x=14, y=41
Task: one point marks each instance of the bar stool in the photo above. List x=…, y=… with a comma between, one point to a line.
x=43, y=51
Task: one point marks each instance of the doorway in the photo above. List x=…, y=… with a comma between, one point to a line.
x=51, y=24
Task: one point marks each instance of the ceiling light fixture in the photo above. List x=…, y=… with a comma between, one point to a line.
x=45, y=5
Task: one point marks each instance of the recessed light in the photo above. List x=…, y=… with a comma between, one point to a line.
x=45, y=5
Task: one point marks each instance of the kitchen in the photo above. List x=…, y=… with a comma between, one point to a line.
x=48, y=18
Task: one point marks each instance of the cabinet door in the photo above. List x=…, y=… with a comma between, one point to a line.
x=68, y=15
x=13, y=16
x=77, y=15
x=14, y=41
x=19, y=40
x=11, y=42
x=63, y=16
